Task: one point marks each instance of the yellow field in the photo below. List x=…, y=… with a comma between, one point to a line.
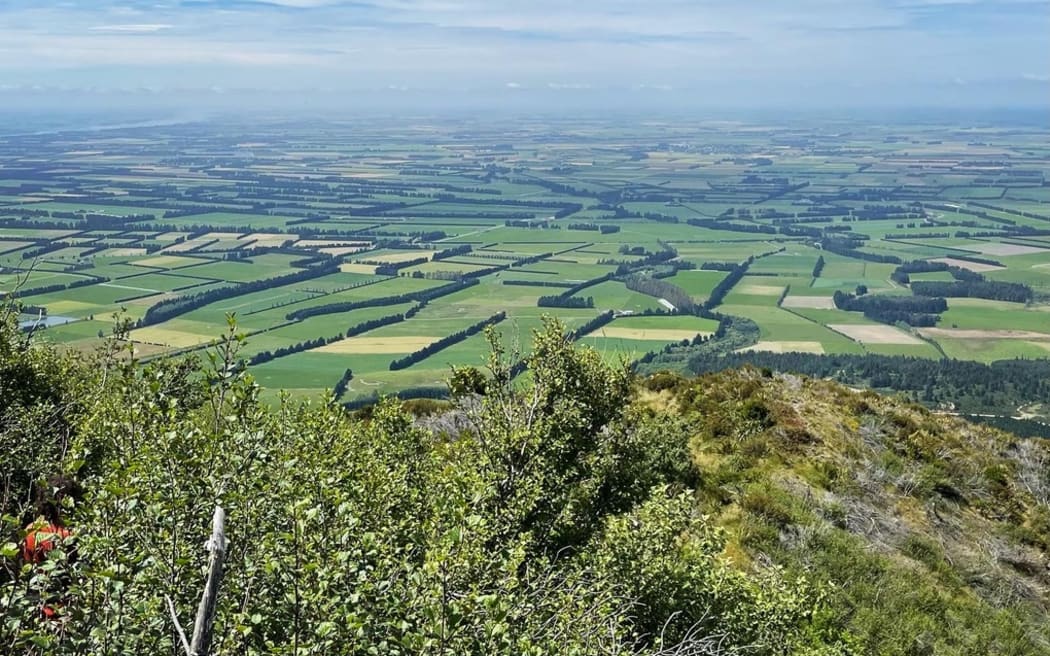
x=166, y=262
x=875, y=334
x=402, y=257
x=648, y=334
x=341, y=250
x=402, y=344
x=167, y=337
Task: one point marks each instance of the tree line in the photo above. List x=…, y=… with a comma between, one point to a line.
x=445, y=342
x=918, y=311
x=173, y=307
x=346, y=306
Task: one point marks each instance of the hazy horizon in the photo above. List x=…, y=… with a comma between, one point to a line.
x=432, y=56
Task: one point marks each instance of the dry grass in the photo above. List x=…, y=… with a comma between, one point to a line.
x=401, y=344
x=875, y=334
x=1009, y=249
x=786, y=347
x=357, y=268
x=969, y=266
x=960, y=333
x=648, y=334
x=809, y=302
x=760, y=290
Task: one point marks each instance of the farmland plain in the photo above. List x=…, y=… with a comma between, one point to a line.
x=345, y=247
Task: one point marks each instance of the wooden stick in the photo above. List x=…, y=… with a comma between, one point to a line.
x=202, y=627
x=178, y=627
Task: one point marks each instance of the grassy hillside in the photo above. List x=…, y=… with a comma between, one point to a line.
x=931, y=532
x=581, y=512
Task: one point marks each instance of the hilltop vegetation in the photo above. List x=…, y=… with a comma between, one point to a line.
x=582, y=511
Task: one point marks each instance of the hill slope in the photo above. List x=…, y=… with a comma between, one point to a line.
x=585, y=512
x=933, y=531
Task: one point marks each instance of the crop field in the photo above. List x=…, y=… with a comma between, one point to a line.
x=371, y=259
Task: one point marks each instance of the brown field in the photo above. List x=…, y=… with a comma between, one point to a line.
x=1010, y=249
x=809, y=302
x=970, y=266
x=960, y=333
x=866, y=334
x=785, y=347
x=760, y=290
x=656, y=335
x=401, y=344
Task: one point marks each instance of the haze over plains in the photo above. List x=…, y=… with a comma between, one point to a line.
x=418, y=55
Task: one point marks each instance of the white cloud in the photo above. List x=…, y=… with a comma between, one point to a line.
x=138, y=28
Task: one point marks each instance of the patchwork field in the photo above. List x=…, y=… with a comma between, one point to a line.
x=409, y=238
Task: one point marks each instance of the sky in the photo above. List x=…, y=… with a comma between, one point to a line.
x=416, y=55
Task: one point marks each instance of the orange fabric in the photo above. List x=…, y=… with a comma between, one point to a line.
x=40, y=541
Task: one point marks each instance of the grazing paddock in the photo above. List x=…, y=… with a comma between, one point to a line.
x=960, y=333
x=168, y=337
x=976, y=267
x=357, y=268
x=868, y=334
x=394, y=258
x=647, y=334
x=809, y=302
x=785, y=347
x=392, y=344
x=1009, y=249
x=760, y=290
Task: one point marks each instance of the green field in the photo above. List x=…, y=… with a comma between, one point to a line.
x=224, y=239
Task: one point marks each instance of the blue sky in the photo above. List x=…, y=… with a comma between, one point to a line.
x=810, y=53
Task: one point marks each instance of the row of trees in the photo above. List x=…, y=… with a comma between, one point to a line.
x=173, y=307
x=559, y=301
x=988, y=289
x=658, y=288
x=727, y=283
x=453, y=252
x=604, y=229
x=346, y=306
x=445, y=342
x=317, y=342
x=818, y=267
x=850, y=248
x=918, y=311
x=752, y=228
